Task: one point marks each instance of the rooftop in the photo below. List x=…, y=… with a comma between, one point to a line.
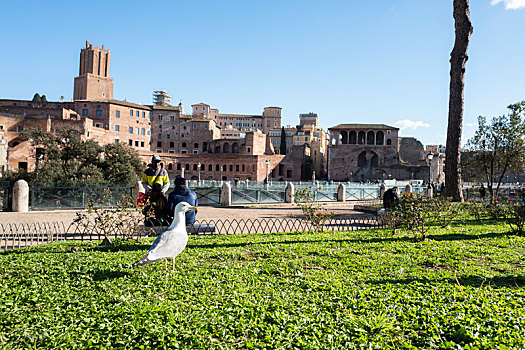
x=363, y=126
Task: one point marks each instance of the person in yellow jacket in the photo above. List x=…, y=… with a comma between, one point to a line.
x=155, y=173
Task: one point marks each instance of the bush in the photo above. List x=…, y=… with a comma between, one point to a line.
x=315, y=214
x=416, y=212
x=109, y=216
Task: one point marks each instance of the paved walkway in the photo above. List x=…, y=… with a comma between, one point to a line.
x=205, y=213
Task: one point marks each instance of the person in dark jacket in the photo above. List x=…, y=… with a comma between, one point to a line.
x=182, y=193
x=391, y=198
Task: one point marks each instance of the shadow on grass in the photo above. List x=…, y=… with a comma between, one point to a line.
x=468, y=281
x=444, y=237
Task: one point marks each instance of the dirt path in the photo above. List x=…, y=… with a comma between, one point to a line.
x=205, y=213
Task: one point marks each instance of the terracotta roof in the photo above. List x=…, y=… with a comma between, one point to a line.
x=363, y=126
x=117, y=102
x=200, y=104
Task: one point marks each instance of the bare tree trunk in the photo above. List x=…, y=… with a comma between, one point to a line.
x=458, y=60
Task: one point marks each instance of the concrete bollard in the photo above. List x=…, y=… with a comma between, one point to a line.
x=226, y=194
x=430, y=192
x=21, y=197
x=289, y=195
x=138, y=188
x=341, y=193
x=408, y=188
x=382, y=190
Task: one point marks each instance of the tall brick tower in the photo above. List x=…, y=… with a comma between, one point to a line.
x=93, y=81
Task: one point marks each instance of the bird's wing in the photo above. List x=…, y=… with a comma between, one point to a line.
x=173, y=245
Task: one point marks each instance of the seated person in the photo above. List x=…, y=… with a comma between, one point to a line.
x=156, y=209
x=391, y=198
x=182, y=193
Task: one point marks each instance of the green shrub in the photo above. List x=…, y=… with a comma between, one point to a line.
x=315, y=214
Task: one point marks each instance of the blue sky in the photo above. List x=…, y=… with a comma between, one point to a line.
x=350, y=61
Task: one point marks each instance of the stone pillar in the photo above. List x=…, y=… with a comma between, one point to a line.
x=21, y=196
x=226, y=194
x=382, y=190
x=138, y=188
x=430, y=192
x=408, y=188
x=341, y=193
x=289, y=195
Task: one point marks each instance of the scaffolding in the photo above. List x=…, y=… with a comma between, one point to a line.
x=161, y=98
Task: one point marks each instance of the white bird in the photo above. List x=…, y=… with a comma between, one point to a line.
x=171, y=242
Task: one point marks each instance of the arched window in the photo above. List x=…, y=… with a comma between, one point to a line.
x=231, y=167
x=203, y=167
x=370, y=138
x=187, y=166
x=243, y=168
x=195, y=167
x=210, y=167
x=361, y=159
x=226, y=148
x=178, y=166
x=170, y=166
x=380, y=138
x=217, y=167
x=235, y=147
x=352, y=136
x=361, y=138
x=195, y=146
x=205, y=146
x=224, y=168
x=217, y=149
x=388, y=142
x=344, y=137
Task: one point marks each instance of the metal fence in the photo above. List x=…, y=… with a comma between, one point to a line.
x=75, y=196
x=4, y=195
x=14, y=235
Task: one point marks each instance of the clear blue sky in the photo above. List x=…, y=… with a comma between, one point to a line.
x=350, y=61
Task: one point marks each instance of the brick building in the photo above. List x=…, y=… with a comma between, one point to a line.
x=360, y=152
x=228, y=146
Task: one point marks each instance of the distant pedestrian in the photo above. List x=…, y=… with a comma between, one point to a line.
x=182, y=193
x=391, y=198
x=482, y=192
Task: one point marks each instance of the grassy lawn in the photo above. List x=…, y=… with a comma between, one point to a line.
x=462, y=288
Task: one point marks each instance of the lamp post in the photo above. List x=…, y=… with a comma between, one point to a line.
x=199, y=168
x=430, y=156
x=267, y=161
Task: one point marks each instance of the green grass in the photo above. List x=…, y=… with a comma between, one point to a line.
x=462, y=288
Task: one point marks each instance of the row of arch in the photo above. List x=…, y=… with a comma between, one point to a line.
x=363, y=138
x=214, y=167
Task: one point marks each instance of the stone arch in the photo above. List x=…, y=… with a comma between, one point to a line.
x=388, y=142
x=226, y=148
x=352, y=137
x=333, y=141
x=361, y=138
x=344, y=137
x=361, y=159
x=374, y=161
x=380, y=138
x=370, y=138
x=217, y=149
x=235, y=147
x=170, y=166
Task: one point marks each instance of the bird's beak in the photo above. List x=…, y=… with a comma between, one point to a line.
x=193, y=208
